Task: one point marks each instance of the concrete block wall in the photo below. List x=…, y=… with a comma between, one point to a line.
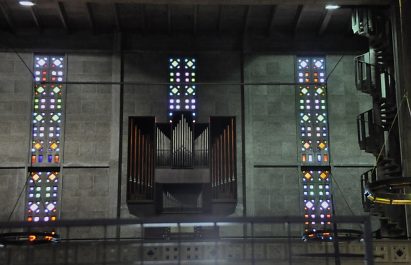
x=86, y=138
x=349, y=162
x=271, y=137
x=85, y=193
x=12, y=183
x=273, y=181
x=89, y=176
x=86, y=185
x=344, y=104
x=15, y=105
x=88, y=111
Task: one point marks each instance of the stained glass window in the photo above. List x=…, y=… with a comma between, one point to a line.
x=314, y=145
x=182, y=88
x=42, y=196
x=47, y=115
x=313, y=117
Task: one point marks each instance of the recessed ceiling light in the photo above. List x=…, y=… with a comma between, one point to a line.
x=332, y=7
x=26, y=3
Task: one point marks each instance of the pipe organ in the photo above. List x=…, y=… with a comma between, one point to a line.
x=223, y=169
x=182, y=148
x=181, y=166
x=201, y=137
x=140, y=185
x=163, y=145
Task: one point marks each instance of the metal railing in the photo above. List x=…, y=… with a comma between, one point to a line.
x=124, y=241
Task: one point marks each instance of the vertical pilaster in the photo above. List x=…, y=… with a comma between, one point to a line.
x=402, y=59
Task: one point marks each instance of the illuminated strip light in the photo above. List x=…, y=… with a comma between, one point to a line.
x=27, y=3
x=332, y=7
x=388, y=201
x=377, y=195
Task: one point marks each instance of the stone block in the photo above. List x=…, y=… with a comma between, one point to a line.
x=6, y=87
x=5, y=128
x=99, y=67
x=86, y=182
x=7, y=67
x=88, y=107
x=88, y=89
x=23, y=88
x=6, y=107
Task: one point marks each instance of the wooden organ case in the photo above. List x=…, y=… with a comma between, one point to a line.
x=181, y=167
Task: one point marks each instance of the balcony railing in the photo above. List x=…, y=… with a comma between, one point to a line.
x=370, y=135
x=189, y=240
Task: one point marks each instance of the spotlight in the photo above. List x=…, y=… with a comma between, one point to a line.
x=26, y=3
x=332, y=7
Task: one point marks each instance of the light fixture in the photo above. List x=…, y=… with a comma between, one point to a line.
x=332, y=7
x=26, y=3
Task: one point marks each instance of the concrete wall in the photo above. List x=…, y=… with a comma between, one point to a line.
x=15, y=106
x=349, y=162
x=271, y=137
x=90, y=173
x=217, y=100
x=86, y=191
x=88, y=111
x=273, y=182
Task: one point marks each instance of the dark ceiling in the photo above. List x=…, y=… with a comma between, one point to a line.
x=257, y=17
x=269, y=21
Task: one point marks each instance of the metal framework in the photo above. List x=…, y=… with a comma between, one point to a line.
x=68, y=238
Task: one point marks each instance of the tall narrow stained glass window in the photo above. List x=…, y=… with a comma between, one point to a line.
x=314, y=146
x=44, y=172
x=182, y=88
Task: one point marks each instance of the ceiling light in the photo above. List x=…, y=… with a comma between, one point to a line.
x=332, y=7
x=26, y=3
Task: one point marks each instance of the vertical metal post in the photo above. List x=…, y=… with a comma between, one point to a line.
x=179, y=243
x=252, y=244
x=335, y=236
x=290, y=254
x=27, y=258
x=141, y=244
x=66, y=254
x=215, y=245
x=9, y=251
x=369, y=253
x=105, y=244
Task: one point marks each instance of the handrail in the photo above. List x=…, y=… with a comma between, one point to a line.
x=176, y=220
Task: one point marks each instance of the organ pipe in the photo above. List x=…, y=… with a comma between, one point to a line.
x=141, y=159
x=163, y=148
x=223, y=163
x=201, y=147
x=182, y=146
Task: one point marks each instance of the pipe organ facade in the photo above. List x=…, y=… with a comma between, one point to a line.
x=182, y=166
